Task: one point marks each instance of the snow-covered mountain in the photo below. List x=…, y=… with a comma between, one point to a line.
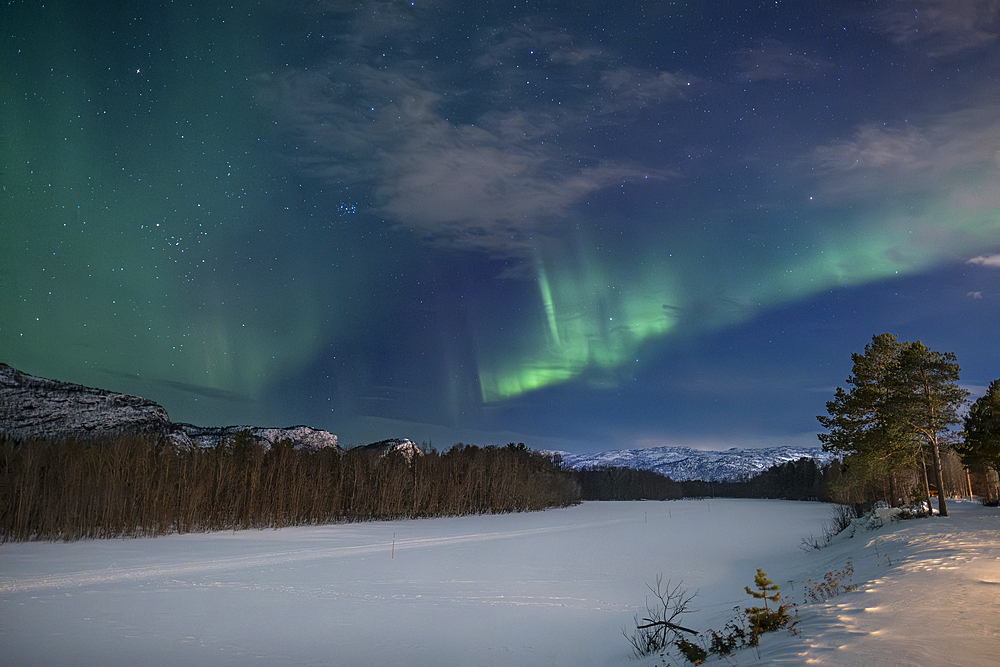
x=684, y=463
x=38, y=408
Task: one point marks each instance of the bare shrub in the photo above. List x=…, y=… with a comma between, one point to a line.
x=658, y=631
x=834, y=583
x=813, y=543
x=841, y=518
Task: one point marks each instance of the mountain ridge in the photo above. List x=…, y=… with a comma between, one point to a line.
x=683, y=464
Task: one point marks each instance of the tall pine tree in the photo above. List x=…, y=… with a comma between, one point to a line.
x=928, y=398
x=862, y=424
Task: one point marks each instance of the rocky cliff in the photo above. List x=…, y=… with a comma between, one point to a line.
x=401, y=446
x=36, y=408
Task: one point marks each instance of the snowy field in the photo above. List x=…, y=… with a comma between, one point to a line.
x=542, y=588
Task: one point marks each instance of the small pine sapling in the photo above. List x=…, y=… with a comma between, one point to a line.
x=743, y=631
x=765, y=619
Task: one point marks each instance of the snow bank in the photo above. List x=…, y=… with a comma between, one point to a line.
x=928, y=594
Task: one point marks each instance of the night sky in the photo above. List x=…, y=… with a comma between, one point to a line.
x=581, y=225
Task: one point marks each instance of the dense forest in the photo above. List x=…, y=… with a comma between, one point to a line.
x=134, y=486
x=614, y=483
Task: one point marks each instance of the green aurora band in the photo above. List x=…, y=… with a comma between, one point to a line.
x=596, y=319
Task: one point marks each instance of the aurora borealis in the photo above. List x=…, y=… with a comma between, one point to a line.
x=576, y=225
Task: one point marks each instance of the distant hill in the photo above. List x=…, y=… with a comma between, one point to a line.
x=402, y=446
x=684, y=463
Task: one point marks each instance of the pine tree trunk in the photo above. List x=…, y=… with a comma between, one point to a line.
x=927, y=486
x=939, y=478
x=935, y=450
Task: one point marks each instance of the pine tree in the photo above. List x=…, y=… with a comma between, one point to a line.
x=928, y=398
x=766, y=590
x=862, y=422
x=982, y=430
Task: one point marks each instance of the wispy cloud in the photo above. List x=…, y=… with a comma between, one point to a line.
x=633, y=88
x=924, y=193
x=500, y=179
x=481, y=188
x=942, y=28
x=576, y=55
x=924, y=155
x=530, y=38
x=875, y=146
x=992, y=261
x=773, y=59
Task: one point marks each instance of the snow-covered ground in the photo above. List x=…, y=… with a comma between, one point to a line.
x=543, y=588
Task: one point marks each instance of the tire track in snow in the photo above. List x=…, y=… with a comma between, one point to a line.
x=9, y=585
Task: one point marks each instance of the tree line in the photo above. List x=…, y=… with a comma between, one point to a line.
x=803, y=479
x=980, y=447
x=617, y=483
x=131, y=486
